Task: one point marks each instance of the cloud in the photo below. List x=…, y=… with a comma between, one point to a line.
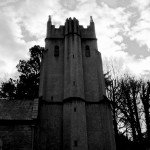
x=133, y=48
x=23, y=24
x=115, y=3
x=128, y=64
x=11, y=45
x=139, y=67
x=110, y=30
x=140, y=30
x=141, y=5
x=7, y=2
x=19, y=21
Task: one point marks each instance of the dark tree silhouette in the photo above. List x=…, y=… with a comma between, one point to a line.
x=126, y=95
x=8, y=89
x=130, y=90
x=145, y=98
x=27, y=85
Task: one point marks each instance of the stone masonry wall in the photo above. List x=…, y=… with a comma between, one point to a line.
x=100, y=127
x=16, y=137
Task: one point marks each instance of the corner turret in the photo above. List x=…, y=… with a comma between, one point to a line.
x=49, y=23
x=91, y=19
x=88, y=32
x=49, y=19
x=92, y=25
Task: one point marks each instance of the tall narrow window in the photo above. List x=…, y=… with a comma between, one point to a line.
x=56, y=51
x=87, y=51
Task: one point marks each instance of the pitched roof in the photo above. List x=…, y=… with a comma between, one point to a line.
x=18, y=109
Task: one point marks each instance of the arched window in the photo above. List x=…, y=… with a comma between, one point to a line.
x=56, y=51
x=87, y=51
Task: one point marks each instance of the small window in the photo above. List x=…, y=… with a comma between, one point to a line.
x=52, y=98
x=74, y=83
x=75, y=143
x=56, y=51
x=87, y=51
x=75, y=109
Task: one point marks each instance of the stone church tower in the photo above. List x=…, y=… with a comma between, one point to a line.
x=74, y=111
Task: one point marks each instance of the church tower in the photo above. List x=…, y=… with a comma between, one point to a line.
x=74, y=113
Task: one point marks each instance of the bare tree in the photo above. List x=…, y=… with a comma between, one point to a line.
x=130, y=88
x=130, y=99
x=145, y=98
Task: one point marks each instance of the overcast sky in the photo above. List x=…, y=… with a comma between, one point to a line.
x=122, y=29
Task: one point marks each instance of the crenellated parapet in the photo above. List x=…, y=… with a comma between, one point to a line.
x=71, y=27
x=88, y=33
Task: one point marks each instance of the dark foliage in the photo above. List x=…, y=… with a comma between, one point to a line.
x=28, y=83
x=8, y=89
x=27, y=86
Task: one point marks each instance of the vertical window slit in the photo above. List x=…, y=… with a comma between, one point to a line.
x=75, y=143
x=56, y=51
x=87, y=51
x=74, y=83
x=52, y=98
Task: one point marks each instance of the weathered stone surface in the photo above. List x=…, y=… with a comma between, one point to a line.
x=17, y=122
x=73, y=111
x=72, y=74
x=16, y=137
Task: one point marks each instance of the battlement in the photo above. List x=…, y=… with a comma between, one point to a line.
x=71, y=27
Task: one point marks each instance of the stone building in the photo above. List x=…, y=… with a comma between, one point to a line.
x=74, y=113
x=18, y=122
